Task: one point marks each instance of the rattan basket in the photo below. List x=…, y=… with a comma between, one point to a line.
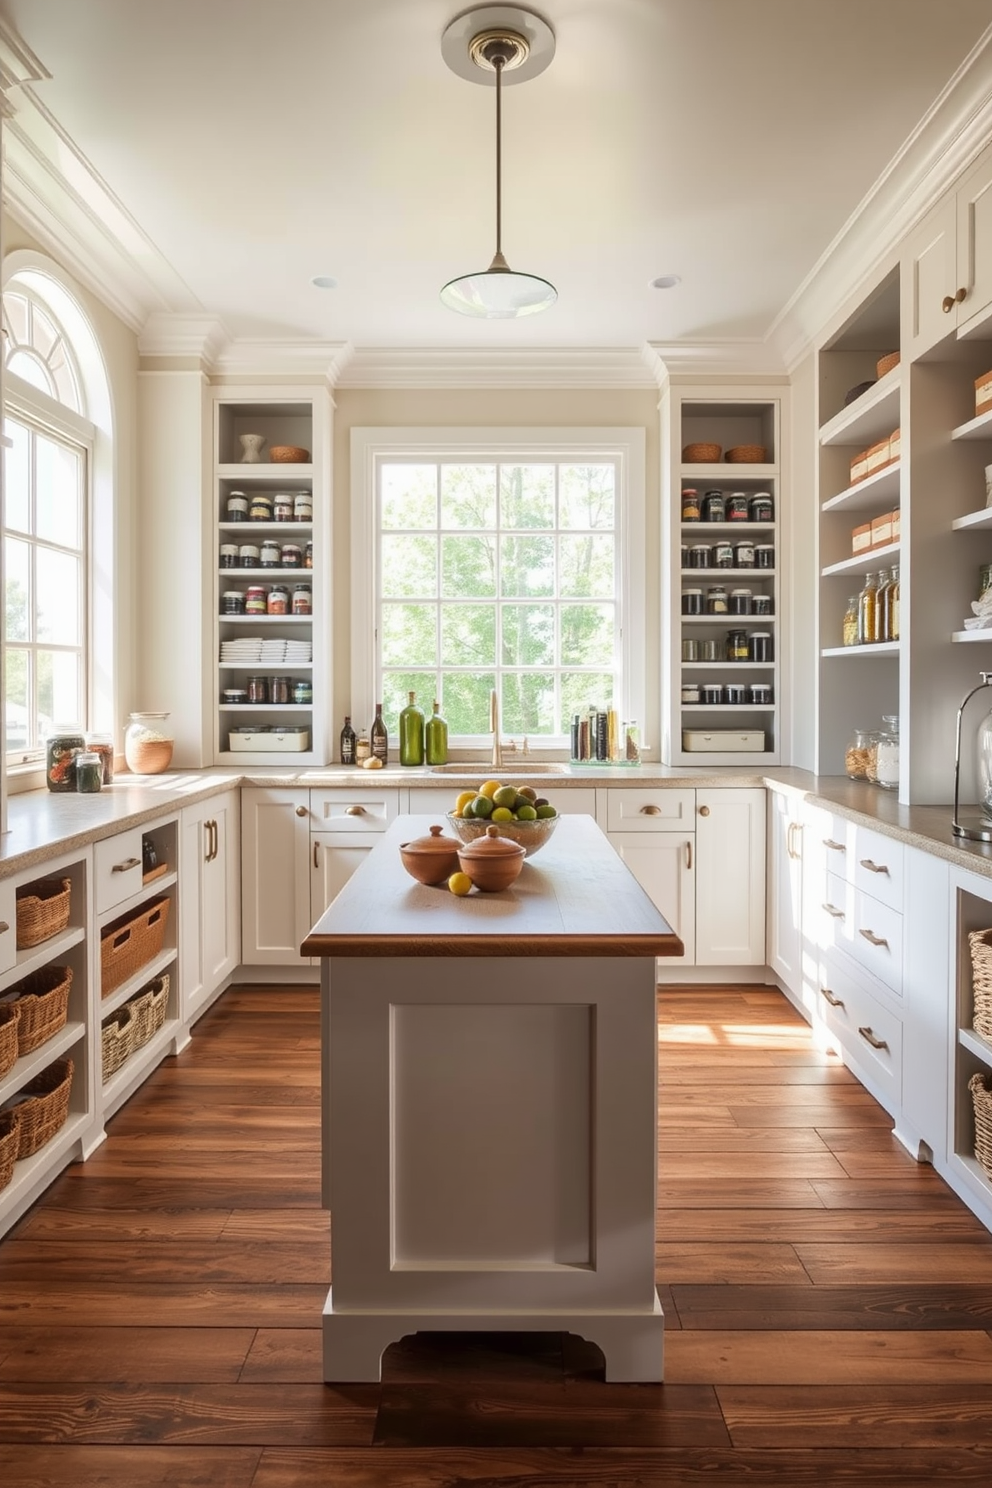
x=886, y=363
x=981, y=1094
x=701, y=454
x=289, y=454
x=9, y=1017
x=44, y=1113
x=980, y=942
x=42, y=910
x=746, y=454
x=10, y=1141
x=116, y=1040
x=148, y=1010
x=128, y=945
x=43, y=1003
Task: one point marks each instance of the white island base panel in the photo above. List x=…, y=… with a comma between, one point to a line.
x=490, y=1151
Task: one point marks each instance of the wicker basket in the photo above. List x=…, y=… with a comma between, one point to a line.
x=702, y=454
x=746, y=454
x=980, y=942
x=43, y=1003
x=9, y=1018
x=886, y=363
x=45, y=1112
x=981, y=1094
x=130, y=944
x=42, y=910
x=10, y=1142
x=148, y=1010
x=289, y=454
x=116, y=1040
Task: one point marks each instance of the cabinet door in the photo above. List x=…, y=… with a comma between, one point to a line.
x=929, y=276
x=8, y=926
x=333, y=859
x=663, y=864
x=974, y=240
x=730, y=877
x=210, y=940
x=785, y=889
x=275, y=876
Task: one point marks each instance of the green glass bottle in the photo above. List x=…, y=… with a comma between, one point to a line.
x=411, y=733
x=437, y=738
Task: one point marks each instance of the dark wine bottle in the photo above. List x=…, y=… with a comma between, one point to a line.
x=347, y=742
x=379, y=737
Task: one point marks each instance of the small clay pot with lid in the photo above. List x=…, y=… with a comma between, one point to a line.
x=492, y=862
x=430, y=860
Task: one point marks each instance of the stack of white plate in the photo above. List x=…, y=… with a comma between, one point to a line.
x=245, y=648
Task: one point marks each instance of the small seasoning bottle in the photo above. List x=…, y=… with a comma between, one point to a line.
x=363, y=749
x=690, y=504
x=714, y=507
x=737, y=645
x=716, y=600
x=279, y=689
x=277, y=601
x=89, y=771
x=258, y=689
x=348, y=742
x=236, y=506
x=282, y=508
x=867, y=609
x=302, y=599
x=850, y=627
x=260, y=509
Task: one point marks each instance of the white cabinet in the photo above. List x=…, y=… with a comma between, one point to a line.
x=662, y=863
x=333, y=859
x=947, y=262
x=730, y=877
x=8, y=926
x=785, y=888
x=275, y=875
x=210, y=898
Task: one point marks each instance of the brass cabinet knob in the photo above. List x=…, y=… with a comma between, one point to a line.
x=704, y=811
x=949, y=301
x=301, y=811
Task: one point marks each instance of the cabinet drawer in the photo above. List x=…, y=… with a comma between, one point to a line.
x=644, y=810
x=352, y=811
x=877, y=863
x=117, y=869
x=865, y=928
x=869, y=1032
x=8, y=925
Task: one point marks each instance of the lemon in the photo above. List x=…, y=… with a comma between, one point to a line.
x=490, y=788
x=460, y=884
x=463, y=801
x=505, y=796
x=502, y=813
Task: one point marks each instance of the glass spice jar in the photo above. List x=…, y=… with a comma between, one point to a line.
x=887, y=754
x=61, y=752
x=690, y=504
x=856, y=755
x=89, y=772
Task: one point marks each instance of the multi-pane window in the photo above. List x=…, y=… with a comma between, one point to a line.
x=37, y=351
x=500, y=574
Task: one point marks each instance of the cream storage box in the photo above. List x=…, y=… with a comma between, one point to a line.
x=274, y=741
x=723, y=741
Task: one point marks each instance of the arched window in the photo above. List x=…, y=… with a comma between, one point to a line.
x=47, y=569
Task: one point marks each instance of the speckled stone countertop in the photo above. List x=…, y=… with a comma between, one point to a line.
x=43, y=825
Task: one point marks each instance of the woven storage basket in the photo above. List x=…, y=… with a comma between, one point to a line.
x=42, y=910
x=886, y=363
x=42, y=1003
x=10, y=1141
x=45, y=1112
x=148, y=1009
x=116, y=1040
x=747, y=454
x=702, y=454
x=128, y=945
x=981, y=1094
x=289, y=454
x=980, y=942
x=9, y=1018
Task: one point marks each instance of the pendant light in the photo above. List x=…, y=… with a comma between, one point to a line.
x=499, y=293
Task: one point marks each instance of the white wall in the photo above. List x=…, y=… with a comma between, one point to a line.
x=801, y=575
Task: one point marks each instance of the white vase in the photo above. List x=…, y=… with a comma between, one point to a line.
x=252, y=446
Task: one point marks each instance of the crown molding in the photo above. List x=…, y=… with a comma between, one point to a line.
x=747, y=357
x=242, y=357
x=517, y=367
x=952, y=132
x=164, y=335
x=18, y=63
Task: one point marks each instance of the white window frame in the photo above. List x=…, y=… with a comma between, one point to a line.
x=572, y=444
x=27, y=404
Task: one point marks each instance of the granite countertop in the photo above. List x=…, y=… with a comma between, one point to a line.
x=43, y=825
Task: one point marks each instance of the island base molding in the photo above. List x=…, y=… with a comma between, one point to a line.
x=632, y=1344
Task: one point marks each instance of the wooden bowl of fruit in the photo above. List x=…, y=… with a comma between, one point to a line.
x=519, y=813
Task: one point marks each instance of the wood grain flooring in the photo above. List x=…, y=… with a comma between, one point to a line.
x=828, y=1301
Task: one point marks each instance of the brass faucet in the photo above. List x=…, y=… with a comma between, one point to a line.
x=494, y=725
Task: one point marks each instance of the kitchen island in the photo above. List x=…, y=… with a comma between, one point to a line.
x=489, y=1072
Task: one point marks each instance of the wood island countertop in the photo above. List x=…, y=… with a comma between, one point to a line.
x=574, y=897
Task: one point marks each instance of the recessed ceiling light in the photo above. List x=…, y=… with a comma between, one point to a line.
x=323, y=281
x=666, y=281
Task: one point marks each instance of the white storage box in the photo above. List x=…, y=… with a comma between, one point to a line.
x=723, y=741
x=264, y=741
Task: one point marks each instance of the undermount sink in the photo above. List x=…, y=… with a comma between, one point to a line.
x=509, y=767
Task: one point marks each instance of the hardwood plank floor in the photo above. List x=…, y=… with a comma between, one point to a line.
x=828, y=1301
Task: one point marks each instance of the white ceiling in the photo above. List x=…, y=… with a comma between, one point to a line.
x=257, y=143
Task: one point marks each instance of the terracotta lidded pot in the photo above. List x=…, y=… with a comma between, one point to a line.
x=430, y=860
x=492, y=862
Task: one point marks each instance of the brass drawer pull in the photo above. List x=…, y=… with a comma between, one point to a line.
x=354, y=811
x=650, y=810
x=870, y=1038
x=316, y=849
x=4, y=927
x=949, y=301
x=873, y=867
x=838, y=914
x=833, y=1001
x=834, y=846
x=872, y=939
x=126, y=866
x=688, y=854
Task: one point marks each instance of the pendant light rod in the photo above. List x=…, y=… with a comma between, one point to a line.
x=498, y=258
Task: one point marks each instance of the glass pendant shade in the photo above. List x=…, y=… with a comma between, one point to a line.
x=984, y=764
x=498, y=294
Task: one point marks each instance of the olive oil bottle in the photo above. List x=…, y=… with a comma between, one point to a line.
x=436, y=738
x=411, y=733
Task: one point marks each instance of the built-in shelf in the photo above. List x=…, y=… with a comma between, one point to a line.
x=722, y=528
x=267, y=708
x=728, y=575
x=723, y=666
x=266, y=619
x=137, y=982
x=728, y=707
x=976, y=428
x=267, y=575
x=269, y=473
x=728, y=473
x=870, y=494
x=973, y=520
x=972, y=635
x=879, y=648
x=266, y=529
x=870, y=417
x=862, y=562
x=260, y=666
x=28, y=1065
x=735, y=622
x=980, y=1047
